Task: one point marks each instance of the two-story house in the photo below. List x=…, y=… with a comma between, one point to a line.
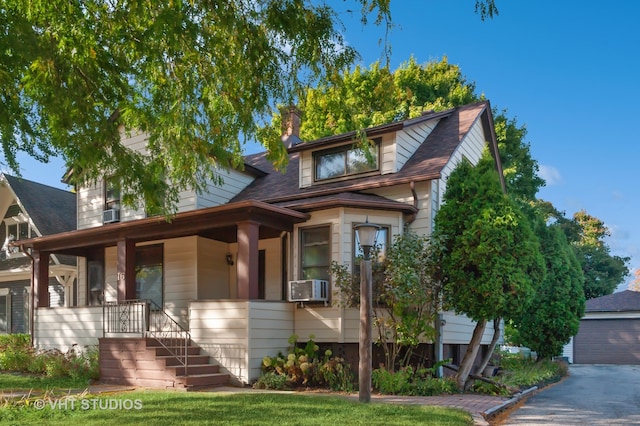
x=220, y=273
x=30, y=210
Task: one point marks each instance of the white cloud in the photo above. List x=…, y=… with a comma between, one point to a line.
x=551, y=175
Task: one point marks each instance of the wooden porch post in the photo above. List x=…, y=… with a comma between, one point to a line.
x=41, y=278
x=126, y=269
x=247, y=270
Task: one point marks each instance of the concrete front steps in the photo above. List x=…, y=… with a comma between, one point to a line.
x=144, y=362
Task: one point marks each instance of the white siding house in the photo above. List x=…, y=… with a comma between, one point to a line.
x=221, y=267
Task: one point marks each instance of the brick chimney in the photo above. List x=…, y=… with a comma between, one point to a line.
x=291, y=126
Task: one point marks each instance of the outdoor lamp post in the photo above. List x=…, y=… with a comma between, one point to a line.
x=366, y=233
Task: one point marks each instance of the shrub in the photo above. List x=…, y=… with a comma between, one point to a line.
x=15, y=352
x=307, y=366
x=17, y=355
x=519, y=371
x=272, y=380
x=407, y=381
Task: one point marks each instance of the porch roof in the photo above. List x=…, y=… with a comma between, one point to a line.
x=219, y=223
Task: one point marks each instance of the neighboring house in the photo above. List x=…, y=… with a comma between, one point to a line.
x=609, y=331
x=30, y=210
x=220, y=272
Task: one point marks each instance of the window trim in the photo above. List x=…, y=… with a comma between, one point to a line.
x=111, y=203
x=6, y=293
x=345, y=149
x=17, y=221
x=302, y=246
x=354, y=249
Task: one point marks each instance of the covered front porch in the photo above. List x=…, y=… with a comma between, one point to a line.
x=223, y=272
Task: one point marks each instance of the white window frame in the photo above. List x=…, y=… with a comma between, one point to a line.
x=4, y=292
x=16, y=221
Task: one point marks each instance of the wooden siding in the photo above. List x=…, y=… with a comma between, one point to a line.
x=273, y=268
x=239, y=333
x=388, y=150
x=470, y=148
x=306, y=169
x=216, y=195
x=63, y=328
x=212, y=270
x=91, y=197
x=270, y=327
x=409, y=139
x=180, y=277
x=458, y=330
x=90, y=201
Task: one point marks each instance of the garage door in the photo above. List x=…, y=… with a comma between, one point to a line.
x=607, y=341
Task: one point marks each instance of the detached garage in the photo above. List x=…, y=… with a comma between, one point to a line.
x=610, y=330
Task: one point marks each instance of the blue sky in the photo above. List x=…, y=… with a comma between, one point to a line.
x=568, y=70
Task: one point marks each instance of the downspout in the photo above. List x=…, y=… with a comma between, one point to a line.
x=412, y=216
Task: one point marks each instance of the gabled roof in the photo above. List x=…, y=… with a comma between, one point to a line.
x=51, y=210
x=623, y=301
x=426, y=163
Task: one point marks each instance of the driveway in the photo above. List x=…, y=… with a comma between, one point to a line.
x=591, y=395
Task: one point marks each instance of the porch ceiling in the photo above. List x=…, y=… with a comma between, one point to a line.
x=219, y=223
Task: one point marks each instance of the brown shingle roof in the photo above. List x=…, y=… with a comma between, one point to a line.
x=425, y=164
x=622, y=301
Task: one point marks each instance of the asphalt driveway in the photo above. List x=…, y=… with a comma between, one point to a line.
x=591, y=395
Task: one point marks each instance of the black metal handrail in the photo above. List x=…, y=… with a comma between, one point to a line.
x=170, y=334
x=147, y=319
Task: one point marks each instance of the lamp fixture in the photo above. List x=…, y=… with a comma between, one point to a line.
x=229, y=259
x=367, y=234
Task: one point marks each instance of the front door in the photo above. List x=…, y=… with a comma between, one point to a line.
x=150, y=274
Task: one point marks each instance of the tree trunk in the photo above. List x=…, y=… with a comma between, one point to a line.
x=492, y=346
x=470, y=354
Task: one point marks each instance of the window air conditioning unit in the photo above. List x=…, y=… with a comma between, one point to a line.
x=111, y=216
x=308, y=291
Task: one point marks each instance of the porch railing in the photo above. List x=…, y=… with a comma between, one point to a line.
x=147, y=319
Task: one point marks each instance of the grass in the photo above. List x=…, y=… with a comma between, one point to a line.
x=177, y=408
x=26, y=382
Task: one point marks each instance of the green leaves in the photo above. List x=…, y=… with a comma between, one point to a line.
x=197, y=76
x=489, y=255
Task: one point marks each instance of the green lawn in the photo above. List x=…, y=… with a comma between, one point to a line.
x=194, y=408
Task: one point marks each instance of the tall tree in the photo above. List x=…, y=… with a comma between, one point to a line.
x=587, y=234
x=488, y=254
x=197, y=76
x=554, y=314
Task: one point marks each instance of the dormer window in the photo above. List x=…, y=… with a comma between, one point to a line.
x=345, y=161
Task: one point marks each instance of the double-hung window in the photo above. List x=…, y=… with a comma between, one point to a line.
x=111, y=194
x=315, y=257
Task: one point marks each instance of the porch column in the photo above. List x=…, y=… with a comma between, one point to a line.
x=247, y=270
x=41, y=278
x=126, y=269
